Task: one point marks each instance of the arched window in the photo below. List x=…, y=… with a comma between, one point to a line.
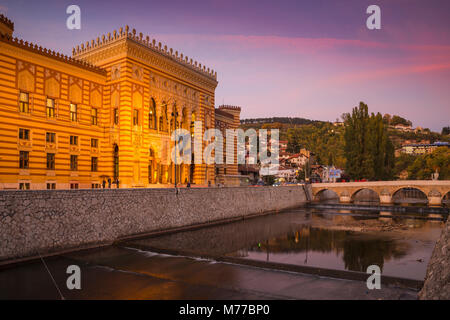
x=165, y=118
x=184, y=120
x=152, y=172
x=174, y=118
x=152, y=115
x=192, y=123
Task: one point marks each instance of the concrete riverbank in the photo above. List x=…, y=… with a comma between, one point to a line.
x=48, y=221
x=437, y=281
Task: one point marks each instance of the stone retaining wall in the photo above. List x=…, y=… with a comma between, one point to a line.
x=437, y=280
x=45, y=221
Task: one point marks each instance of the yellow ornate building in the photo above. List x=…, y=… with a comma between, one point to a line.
x=105, y=113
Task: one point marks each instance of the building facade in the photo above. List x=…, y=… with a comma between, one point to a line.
x=227, y=118
x=106, y=113
x=422, y=148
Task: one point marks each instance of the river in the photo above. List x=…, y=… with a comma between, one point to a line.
x=264, y=251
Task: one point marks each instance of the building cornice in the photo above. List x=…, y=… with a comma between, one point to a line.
x=223, y=113
x=50, y=54
x=148, y=52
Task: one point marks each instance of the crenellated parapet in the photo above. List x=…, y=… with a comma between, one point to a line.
x=228, y=107
x=83, y=50
x=50, y=53
x=234, y=110
x=6, y=21
x=6, y=25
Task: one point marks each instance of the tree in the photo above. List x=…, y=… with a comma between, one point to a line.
x=368, y=150
x=399, y=120
x=301, y=174
x=293, y=145
x=445, y=130
x=426, y=164
x=268, y=180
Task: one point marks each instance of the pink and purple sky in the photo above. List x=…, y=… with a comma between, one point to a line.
x=314, y=59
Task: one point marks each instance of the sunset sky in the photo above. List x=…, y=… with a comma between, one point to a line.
x=312, y=59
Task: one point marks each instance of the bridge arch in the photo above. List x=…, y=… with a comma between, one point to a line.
x=370, y=194
x=409, y=195
x=428, y=192
x=326, y=195
x=446, y=199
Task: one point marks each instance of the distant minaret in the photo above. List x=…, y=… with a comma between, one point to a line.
x=6, y=26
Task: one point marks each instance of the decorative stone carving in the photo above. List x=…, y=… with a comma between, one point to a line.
x=75, y=89
x=115, y=72
x=137, y=72
x=26, y=76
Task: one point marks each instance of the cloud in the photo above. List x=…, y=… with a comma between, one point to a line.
x=357, y=77
x=298, y=44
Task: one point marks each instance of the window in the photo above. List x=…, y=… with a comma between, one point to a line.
x=24, y=186
x=173, y=120
x=94, y=143
x=94, y=116
x=50, y=108
x=73, y=140
x=50, y=161
x=73, y=112
x=24, y=159
x=96, y=186
x=50, y=137
x=94, y=164
x=135, y=117
x=24, y=134
x=152, y=115
x=165, y=120
x=192, y=128
x=151, y=119
x=116, y=116
x=74, y=186
x=24, y=105
x=51, y=186
x=73, y=162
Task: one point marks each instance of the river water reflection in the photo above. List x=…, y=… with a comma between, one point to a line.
x=332, y=239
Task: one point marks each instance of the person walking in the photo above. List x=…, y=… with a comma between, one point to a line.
x=104, y=183
x=109, y=183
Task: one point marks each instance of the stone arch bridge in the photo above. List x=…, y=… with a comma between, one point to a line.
x=435, y=190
